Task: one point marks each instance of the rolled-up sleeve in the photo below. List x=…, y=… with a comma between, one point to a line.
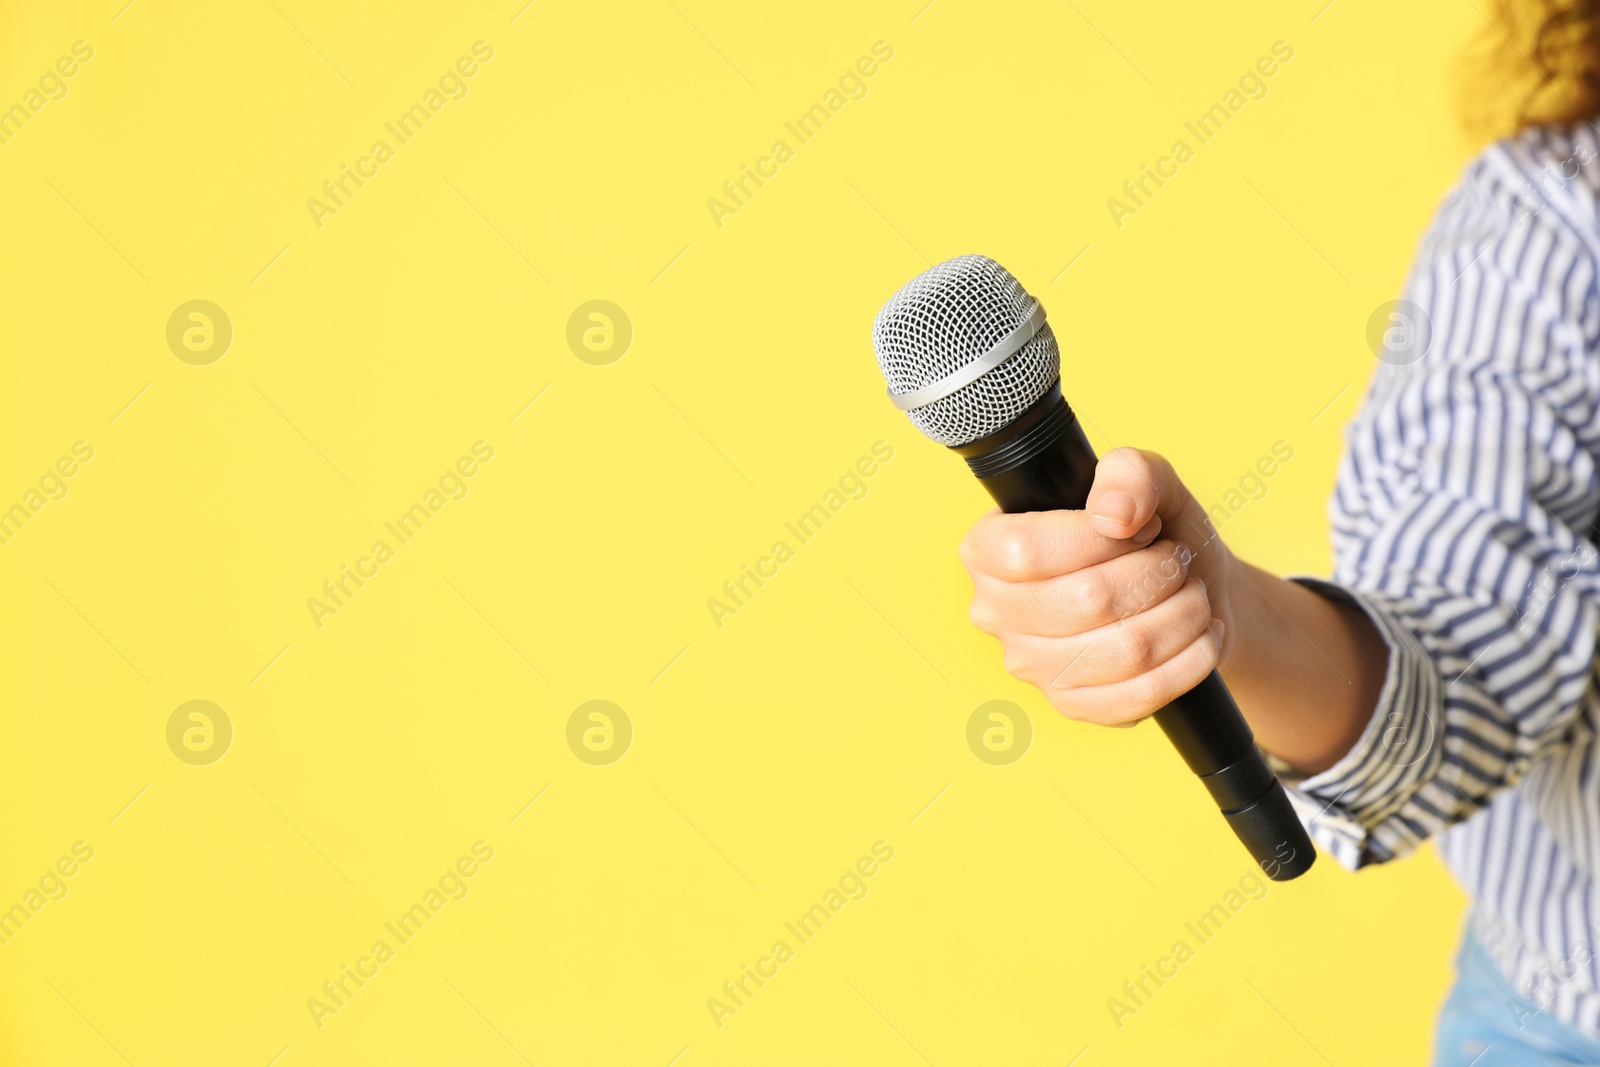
x=1461, y=518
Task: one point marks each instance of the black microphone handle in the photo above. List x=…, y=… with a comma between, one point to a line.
x=1043, y=462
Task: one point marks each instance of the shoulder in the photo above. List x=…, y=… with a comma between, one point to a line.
x=1524, y=216
x=1545, y=178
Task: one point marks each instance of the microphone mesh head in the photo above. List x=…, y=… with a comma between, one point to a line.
x=943, y=319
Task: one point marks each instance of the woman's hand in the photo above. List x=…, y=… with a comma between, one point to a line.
x=1111, y=611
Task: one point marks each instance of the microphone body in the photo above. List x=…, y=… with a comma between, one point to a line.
x=1041, y=461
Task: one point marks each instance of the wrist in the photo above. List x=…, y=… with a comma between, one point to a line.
x=1306, y=670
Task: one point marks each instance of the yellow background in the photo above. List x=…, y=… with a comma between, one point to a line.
x=770, y=753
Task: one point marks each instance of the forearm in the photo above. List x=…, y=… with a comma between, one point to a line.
x=1306, y=671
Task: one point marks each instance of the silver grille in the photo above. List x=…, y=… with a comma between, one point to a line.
x=945, y=318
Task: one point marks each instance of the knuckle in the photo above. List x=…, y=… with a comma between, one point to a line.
x=975, y=550
x=1016, y=664
x=1155, y=462
x=1145, y=591
x=1159, y=576
x=1134, y=461
x=1088, y=596
x=1148, y=691
x=984, y=548
x=1128, y=455
x=1014, y=555
x=983, y=615
x=1158, y=469
x=1136, y=647
x=975, y=545
x=967, y=553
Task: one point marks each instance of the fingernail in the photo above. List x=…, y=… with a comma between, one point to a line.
x=1116, y=507
x=1149, y=533
x=1217, y=629
x=1201, y=582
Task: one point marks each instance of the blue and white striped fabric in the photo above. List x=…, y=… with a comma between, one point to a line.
x=1462, y=525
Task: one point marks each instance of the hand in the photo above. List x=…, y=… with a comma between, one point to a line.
x=1112, y=611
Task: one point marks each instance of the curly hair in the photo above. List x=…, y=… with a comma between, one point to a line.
x=1547, y=53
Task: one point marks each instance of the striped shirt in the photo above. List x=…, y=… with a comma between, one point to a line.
x=1463, y=524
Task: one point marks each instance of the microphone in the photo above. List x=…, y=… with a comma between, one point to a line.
x=969, y=357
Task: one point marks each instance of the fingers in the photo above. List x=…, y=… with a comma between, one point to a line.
x=1133, y=487
x=1031, y=546
x=1113, y=653
x=1109, y=622
x=1125, y=702
x=1135, y=496
x=1083, y=600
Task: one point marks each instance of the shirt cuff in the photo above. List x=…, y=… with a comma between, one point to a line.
x=1345, y=806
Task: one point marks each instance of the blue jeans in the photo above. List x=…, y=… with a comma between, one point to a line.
x=1478, y=1025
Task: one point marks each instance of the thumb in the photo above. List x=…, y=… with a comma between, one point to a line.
x=1133, y=487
